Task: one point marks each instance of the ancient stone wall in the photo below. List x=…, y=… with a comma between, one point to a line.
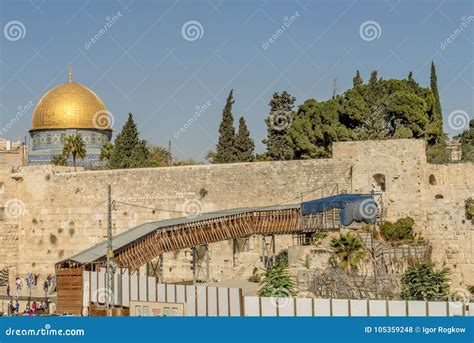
x=63, y=212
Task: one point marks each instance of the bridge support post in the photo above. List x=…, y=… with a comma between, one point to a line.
x=208, y=258
x=160, y=261
x=194, y=264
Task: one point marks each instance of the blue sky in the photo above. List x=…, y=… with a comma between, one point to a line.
x=144, y=64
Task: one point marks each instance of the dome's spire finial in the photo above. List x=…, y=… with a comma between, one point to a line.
x=70, y=74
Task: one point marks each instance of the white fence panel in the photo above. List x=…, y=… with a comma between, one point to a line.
x=322, y=307
x=101, y=286
x=126, y=289
x=180, y=294
x=234, y=300
x=359, y=308
x=190, y=300
x=170, y=293
x=151, y=288
x=455, y=308
x=142, y=287
x=201, y=301
x=286, y=307
x=223, y=294
x=378, y=308
x=117, y=289
x=212, y=301
x=134, y=287
x=268, y=306
x=86, y=288
x=304, y=307
x=161, y=292
x=471, y=310
x=397, y=308
x=437, y=308
x=252, y=306
x=94, y=287
x=340, y=307
x=416, y=308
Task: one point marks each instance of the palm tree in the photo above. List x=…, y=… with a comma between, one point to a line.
x=59, y=160
x=348, y=251
x=74, y=145
x=106, y=151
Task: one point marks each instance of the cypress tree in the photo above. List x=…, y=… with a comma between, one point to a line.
x=129, y=151
x=278, y=141
x=225, y=149
x=244, y=144
x=436, y=119
x=357, y=80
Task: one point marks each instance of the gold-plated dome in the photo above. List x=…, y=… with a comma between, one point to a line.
x=71, y=106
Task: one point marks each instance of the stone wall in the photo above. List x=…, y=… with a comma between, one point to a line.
x=63, y=212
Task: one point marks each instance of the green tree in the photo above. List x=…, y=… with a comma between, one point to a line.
x=225, y=149
x=357, y=80
x=423, y=282
x=244, y=144
x=401, y=230
x=59, y=160
x=159, y=156
x=106, y=151
x=348, y=251
x=129, y=150
x=467, y=143
x=277, y=282
x=436, y=120
x=74, y=145
x=279, y=120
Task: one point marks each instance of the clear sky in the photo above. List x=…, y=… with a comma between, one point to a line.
x=147, y=64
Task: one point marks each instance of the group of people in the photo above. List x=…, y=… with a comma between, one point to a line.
x=32, y=281
x=30, y=309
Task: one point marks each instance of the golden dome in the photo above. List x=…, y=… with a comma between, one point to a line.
x=71, y=106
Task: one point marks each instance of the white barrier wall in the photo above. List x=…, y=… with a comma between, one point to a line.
x=198, y=300
x=267, y=306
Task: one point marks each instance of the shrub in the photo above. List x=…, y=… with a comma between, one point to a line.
x=282, y=258
x=318, y=236
x=423, y=282
x=277, y=282
x=401, y=230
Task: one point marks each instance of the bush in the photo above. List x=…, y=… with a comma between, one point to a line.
x=282, y=258
x=401, y=230
x=277, y=282
x=423, y=282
